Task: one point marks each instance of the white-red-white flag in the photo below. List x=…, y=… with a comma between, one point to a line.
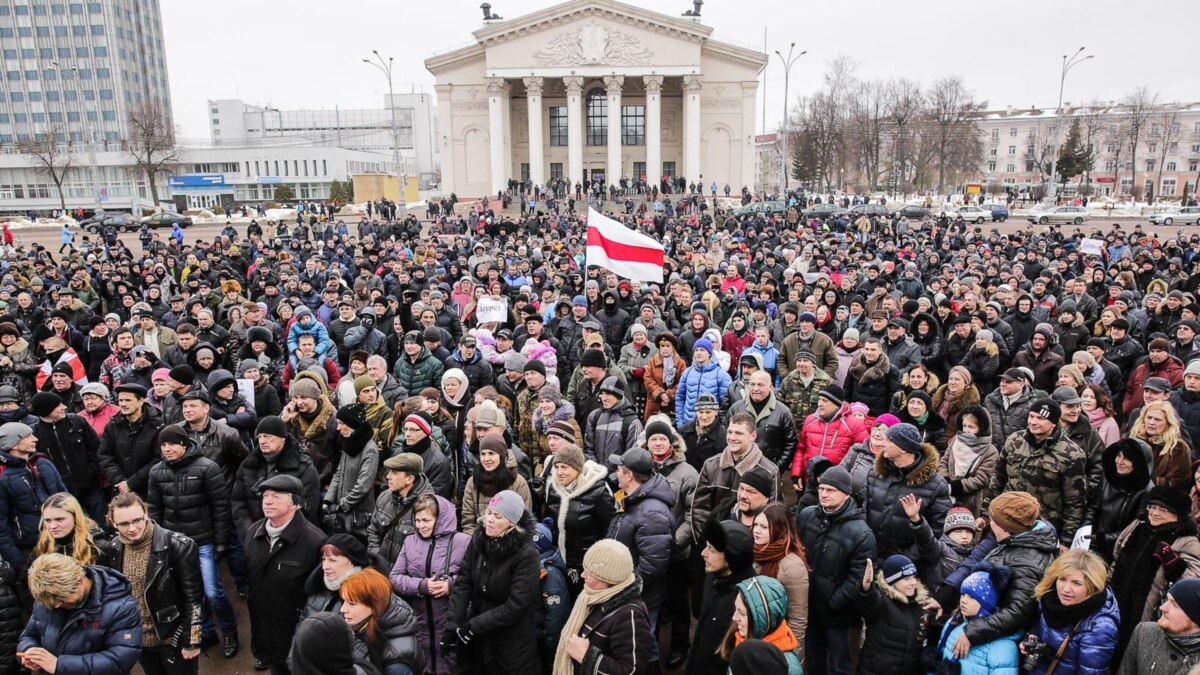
x=623, y=251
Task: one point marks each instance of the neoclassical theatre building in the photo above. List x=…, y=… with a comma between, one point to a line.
x=595, y=89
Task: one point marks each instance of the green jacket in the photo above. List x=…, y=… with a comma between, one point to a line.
x=801, y=400
x=1054, y=471
x=425, y=372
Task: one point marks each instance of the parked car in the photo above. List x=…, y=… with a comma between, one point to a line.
x=122, y=221
x=1062, y=214
x=764, y=208
x=823, y=211
x=167, y=219
x=999, y=212
x=868, y=210
x=1188, y=215
x=911, y=212
x=970, y=214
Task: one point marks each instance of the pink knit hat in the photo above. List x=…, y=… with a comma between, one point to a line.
x=888, y=420
x=161, y=374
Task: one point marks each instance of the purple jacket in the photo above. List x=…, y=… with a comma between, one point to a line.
x=416, y=564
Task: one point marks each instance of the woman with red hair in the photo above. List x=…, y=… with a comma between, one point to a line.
x=385, y=628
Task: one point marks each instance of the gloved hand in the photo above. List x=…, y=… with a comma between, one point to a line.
x=219, y=552
x=449, y=637
x=328, y=508
x=537, y=483
x=1171, y=563
x=956, y=489
x=465, y=635
x=639, y=372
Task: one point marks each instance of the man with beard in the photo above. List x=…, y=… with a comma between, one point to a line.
x=1170, y=645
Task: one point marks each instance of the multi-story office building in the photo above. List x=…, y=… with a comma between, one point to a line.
x=233, y=122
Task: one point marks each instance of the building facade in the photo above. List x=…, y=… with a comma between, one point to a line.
x=595, y=90
x=233, y=122
x=768, y=162
x=1019, y=143
x=74, y=71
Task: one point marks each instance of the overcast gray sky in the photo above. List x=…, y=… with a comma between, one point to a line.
x=308, y=53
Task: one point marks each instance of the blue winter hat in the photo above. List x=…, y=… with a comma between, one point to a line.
x=807, y=316
x=543, y=536
x=985, y=585
x=907, y=437
x=579, y=301
x=705, y=344
x=897, y=567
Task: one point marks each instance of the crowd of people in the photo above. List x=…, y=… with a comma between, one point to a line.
x=455, y=447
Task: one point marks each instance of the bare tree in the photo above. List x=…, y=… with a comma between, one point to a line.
x=1140, y=105
x=51, y=159
x=1039, y=152
x=152, y=143
x=866, y=129
x=904, y=102
x=1092, y=123
x=1165, y=129
x=953, y=128
x=1115, y=135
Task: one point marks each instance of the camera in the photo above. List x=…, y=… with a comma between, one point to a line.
x=1034, y=650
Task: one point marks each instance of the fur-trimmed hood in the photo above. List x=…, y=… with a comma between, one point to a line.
x=931, y=385
x=925, y=470
x=894, y=595
x=860, y=370
x=969, y=397
x=565, y=411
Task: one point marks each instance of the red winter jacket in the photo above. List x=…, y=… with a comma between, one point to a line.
x=1170, y=370
x=831, y=439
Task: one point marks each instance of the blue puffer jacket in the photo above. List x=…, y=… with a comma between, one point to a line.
x=707, y=379
x=1091, y=647
x=998, y=657
x=316, y=329
x=24, y=485
x=101, y=636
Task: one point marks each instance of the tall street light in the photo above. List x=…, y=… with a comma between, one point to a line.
x=787, y=72
x=385, y=67
x=1067, y=64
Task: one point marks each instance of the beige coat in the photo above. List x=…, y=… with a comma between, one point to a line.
x=793, y=574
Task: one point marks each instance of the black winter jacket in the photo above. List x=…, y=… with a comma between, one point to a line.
x=397, y=627
x=618, y=633
x=586, y=516
x=886, y=484
x=494, y=598
x=838, y=545
x=190, y=497
x=1120, y=500
x=174, y=588
x=896, y=629
x=246, y=498
x=277, y=575
x=72, y=445
x=716, y=613
x=128, y=451
x=11, y=617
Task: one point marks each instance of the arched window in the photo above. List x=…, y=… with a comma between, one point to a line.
x=597, y=117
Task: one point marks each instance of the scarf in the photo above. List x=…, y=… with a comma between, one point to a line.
x=948, y=400
x=1060, y=616
x=488, y=483
x=133, y=566
x=782, y=637
x=769, y=555
x=1188, y=644
x=336, y=584
x=965, y=448
x=588, y=598
x=1096, y=417
x=668, y=372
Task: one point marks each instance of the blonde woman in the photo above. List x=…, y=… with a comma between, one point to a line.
x=1158, y=425
x=66, y=529
x=1077, y=616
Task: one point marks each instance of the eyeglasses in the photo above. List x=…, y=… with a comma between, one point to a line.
x=413, y=429
x=125, y=525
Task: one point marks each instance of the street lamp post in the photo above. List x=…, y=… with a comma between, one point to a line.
x=787, y=72
x=385, y=67
x=1067, y=65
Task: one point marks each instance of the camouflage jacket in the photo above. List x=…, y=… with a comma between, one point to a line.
x=1054, y=471
x=802, y=400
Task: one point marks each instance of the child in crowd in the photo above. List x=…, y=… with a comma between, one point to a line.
x=980, y=596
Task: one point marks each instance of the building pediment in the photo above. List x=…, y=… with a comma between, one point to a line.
x=578, y=11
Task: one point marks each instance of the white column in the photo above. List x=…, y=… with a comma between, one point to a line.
x=653, y=129
x=749, y=102
x=497, y=91
x=537, y=160
x=613, y=84
x=691, y=128
x=574, y=129
x=445, y=139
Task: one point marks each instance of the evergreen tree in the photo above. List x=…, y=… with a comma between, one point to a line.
x=1074, y=158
